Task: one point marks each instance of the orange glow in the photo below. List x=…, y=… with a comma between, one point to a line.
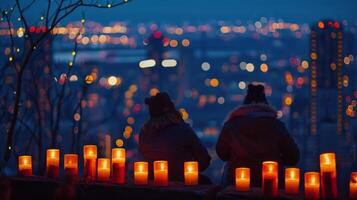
x=103, y=169
x=292, y=180
x=264, y=67
x=191, y=173
x=242, y=179
x=185, y=42
x=52, y=163
x=118, y=162
x=25, y=165
x=353, y=186
x=140, y=173
x=270, y=178
x=288, y=100
x=90, y=161
x=71, y=165
x=328, y=175
x=312, y=185
x=321, y=25
x=161, y=173
x=214, y=82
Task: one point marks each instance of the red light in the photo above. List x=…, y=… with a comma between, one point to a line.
x=330, y=24
x=32, y=29
x=165, y=41
x=337, y=25
x=38, y=30
x=44, y=29
x=157, y=34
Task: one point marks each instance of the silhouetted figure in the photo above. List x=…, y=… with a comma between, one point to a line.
x=253, y=134
x=165, y=136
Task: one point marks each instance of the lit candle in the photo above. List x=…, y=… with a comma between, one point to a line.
x=71, y=165
x=25, y=165
x=52, y=163
x=140, y=173
x=328, y=176
x=242, y=179
x=90, y=161
x=191, y=173
x=353, y=185
x=103, y=169
x=118, y=160
x=312, y=185
x=292, y=180
x=161, y=173
x=270, y=179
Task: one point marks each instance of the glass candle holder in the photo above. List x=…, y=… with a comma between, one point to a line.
x=270, y=179
x=242, y=175
x=25, y=165
x=52, y=163
x=118, y=165
x=161, y=175
x=191, y=173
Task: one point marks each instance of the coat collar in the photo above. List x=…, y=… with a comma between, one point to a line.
x=253, y=110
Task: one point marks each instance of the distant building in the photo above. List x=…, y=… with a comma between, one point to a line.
x=329, y=87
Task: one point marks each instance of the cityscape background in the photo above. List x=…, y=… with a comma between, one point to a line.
x=204, y=54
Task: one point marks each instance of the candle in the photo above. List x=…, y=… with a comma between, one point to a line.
x=270, y=178
x=191, y=173
x=90, y=161
x=328, y=176
x=52, y=163
x=140, y=173
x=312, y=185
x=103, y=169
x=292, y=180
x=353, y=185
x=242, y=179
x=118, y=160
x=161, y=173
x=71, y=165
x=25, y=165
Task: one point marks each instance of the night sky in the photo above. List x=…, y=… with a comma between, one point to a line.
x=204, y=10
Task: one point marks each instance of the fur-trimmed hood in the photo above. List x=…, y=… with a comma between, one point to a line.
x=253, y=110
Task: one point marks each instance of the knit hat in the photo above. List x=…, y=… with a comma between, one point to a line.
x=159, y=104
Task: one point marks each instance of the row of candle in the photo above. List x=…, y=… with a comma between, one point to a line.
x=327, y=173
x=312, y=182
x=105, y=167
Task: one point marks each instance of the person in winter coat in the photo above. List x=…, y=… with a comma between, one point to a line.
x=253, y=134
x=165, y=136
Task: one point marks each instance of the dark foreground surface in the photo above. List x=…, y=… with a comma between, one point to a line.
x=43, y=189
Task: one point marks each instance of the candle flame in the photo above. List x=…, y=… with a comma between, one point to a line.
x=327, y=159
x=313, y=180
x=270, y=168
x=292, y=174
x=53, y=154
x=189, y=169
x=25, y=161
x=242, y=174
x=162, y=167
x=90, y=152
x=141, y=168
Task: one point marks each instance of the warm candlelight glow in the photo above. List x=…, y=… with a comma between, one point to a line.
x=90, y=161
x=292, y=180
x=25, y=165
x=103, y=169
x=191, y=173
x=71, y=165
x=353, y=186
x=161, y=173
x=118, y=161
x=140, y=173
x=270, y=178
x=328, y=175
x=52, y=163
x=312, y=185
x=242, y=179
